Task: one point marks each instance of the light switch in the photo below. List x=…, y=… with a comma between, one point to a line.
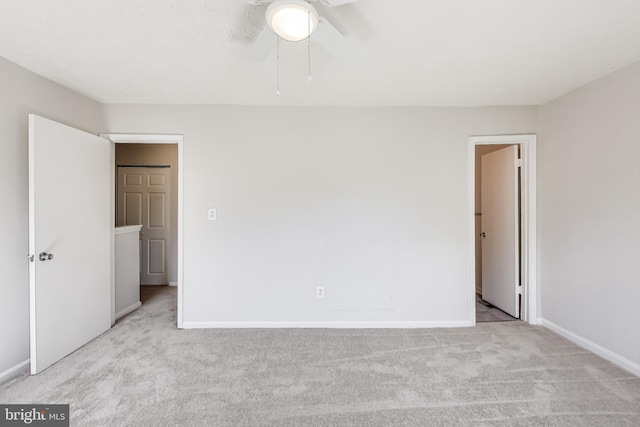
x=211, y=214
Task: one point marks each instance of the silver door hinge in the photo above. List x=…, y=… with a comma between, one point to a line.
x=519, y=289
x=31, y=258
x=519, y=163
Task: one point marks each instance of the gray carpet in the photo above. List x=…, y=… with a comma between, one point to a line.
x=144, y=372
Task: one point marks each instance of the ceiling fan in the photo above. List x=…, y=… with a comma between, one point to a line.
x=296, y=20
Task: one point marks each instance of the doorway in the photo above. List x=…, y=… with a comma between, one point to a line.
x=147, y=152
x=497, y=232
x=523, y=298
x=145, y=183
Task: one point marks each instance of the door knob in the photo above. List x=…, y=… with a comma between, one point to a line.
x=45, y=256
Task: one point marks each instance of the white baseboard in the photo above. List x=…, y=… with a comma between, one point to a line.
x=329, y=325
x=14, y=371
x=607, y=354
x=128, y=310
x=173, y=283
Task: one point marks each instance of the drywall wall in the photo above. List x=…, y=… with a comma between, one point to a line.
x=371, y=203
x=24, y=92
x=158, y=154
x=589, y=212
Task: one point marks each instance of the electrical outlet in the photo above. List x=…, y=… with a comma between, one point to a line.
x=320, y=292
x=212, y=214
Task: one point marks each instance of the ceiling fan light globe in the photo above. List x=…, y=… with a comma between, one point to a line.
x=291, y=19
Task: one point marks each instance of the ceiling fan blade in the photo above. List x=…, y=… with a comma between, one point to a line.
x=333, y=3
x=329, y=38
x=263, y=45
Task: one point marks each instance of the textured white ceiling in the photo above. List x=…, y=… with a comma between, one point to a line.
x=408, y=52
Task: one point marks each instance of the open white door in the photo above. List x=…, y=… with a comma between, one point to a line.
x=500, y=230
x=69, y=240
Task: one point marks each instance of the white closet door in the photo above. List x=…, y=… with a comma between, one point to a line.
x=144, y=198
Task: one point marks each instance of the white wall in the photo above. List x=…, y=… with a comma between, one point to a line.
x=298, y=191
x=22, y=93
x=589, y=212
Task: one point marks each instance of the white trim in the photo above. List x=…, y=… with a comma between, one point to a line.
x=32, y=245
x=173, y=283
x=158, y=139
x=135, y=138
x=328, y=324
x=14, y=371
x=112, y=219
x=527, y=144
x=607, y=354
x=127, y=229
x=133, y=307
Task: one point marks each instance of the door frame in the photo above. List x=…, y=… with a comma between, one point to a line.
x=527, y=143
x=117, y=138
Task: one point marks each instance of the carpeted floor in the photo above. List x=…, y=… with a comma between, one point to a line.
x=144, y=372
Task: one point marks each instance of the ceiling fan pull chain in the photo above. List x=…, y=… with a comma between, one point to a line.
x=309, y=78
x=278, y=65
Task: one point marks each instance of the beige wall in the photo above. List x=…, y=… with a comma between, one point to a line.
x=158, y=154
x=589, y=212
x=24, y=92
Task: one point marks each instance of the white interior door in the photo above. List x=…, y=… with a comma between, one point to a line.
x=69, y=240
x=500, y=230
x=144, y=198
